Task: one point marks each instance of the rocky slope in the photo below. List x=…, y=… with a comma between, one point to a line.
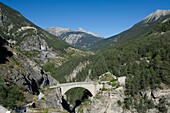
x=29, y=38
x=112, y=101
x=78, y=38
x=72, y=76
x=19, y=71
x=24, y=49
x=3, y=110
x=156, y=15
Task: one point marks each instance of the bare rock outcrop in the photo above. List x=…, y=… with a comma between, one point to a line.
x=51, y=100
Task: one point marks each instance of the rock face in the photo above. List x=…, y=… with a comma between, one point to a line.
x=1, y=18
x=78, y=38
x=3, y=110
x=21, y=71
x=34, y=43
x=112, y=101
x=52, y=100
x=156, y=15
x=105, y=102
x=76, y=70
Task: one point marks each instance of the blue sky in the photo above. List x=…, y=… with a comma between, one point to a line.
x=105, y=17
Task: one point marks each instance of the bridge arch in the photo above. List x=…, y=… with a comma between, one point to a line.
x=89, y=86
x=64, y=91
x=92, y=87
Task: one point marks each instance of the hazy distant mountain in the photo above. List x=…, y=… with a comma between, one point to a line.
x=94, y=34
x=135, y=31
x=79, y=38
x=57, y=31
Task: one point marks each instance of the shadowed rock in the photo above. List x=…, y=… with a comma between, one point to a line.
x=4, y=53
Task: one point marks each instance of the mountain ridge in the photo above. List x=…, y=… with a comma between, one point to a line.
x=156, y=15
x=79, y=38
x=136, y=31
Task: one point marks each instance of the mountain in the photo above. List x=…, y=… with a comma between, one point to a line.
x=27, y=36
x=156, y=15
x=134, y=32
x=79, y=38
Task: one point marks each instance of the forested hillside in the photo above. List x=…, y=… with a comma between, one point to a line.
x=150, y=49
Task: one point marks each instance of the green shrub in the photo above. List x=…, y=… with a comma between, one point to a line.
x=10, y=96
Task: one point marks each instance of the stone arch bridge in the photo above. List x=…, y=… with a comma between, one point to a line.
x=93, y=87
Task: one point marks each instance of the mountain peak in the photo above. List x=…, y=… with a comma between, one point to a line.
x=59, y=28
x=156, y=15
x=57, y=31
x=88, y=32
x=80, y=29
